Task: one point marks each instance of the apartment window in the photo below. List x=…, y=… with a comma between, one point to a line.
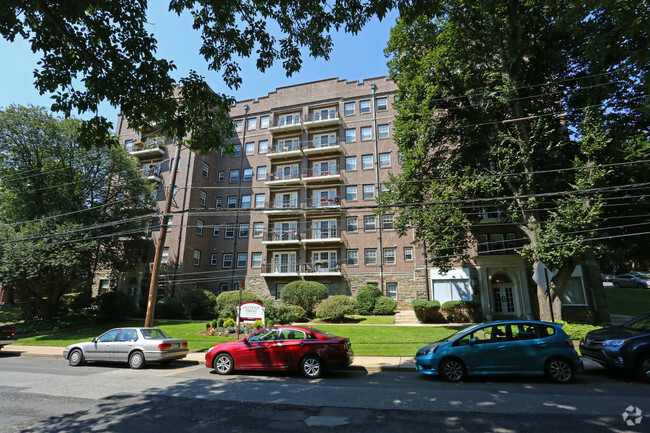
x=248, y=174
x=387, y=222
x=196, y=261
x=205, y=170
x=239, y=125
x=216, y=230
x=349, y=108
x=199, y=227
x=223, y=287
x=232, y=202
x=364, y=106
x=350, y=135
x=351, y=163
x=258, y=230
x=351, y=193
x=104, y=286
x=251, y=123
x=202, y=198
x=261, y=172
x=237, y=152
x=246, y=201
x=213, y=259
x=574, y=293
x=218, y=202
x=353, y=257
x=352, y=224
x=391, y=289
x=389, y=256
x=128, y=144
x=384, y=160
x=366, y=133
x=382, y=131
x=259, y=200
x=234, y=176
x=263, y=146
x=368, y=192
x=230, y=231
x=241, y=260
x=170, y=221
x=408, y=254
x=250, y=148
x=370, y=223
x=243, y=230
x=370, y=256
x=220, y=176
x=264, y=122
x=256, y=260
x=165, y=255
x=382, y=104
x=366, y=162
x=227, y=261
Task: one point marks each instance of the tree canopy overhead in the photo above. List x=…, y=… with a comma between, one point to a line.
x=95, y=51
x=533, y=112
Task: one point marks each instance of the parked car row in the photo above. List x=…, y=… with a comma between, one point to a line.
x=502, y=347
x=632, y=279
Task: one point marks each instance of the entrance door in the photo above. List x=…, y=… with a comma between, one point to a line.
x=503, y=295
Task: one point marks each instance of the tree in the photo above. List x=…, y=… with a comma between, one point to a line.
x=535, y=111
x=96, y=50
x=63, y=208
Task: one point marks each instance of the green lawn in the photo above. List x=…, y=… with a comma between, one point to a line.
x=628, y=301
x=366, y=340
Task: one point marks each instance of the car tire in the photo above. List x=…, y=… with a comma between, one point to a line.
x=311, y=367
x=136, y=360
x=643, y=367
x=452, y=370
x=617, y=284
x=75, y=358
x=223, y=364
x=560, y=370
x=640, y=286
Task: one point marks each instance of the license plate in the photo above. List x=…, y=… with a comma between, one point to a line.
x=177, y=345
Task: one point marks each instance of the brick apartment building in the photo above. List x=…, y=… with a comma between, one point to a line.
x=297, y=201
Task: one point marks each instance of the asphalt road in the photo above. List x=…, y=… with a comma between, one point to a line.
x=46, y=395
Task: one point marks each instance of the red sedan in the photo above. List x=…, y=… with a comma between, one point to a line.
x=294, y=348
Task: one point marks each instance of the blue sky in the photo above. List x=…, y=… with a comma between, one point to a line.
x=353, y=58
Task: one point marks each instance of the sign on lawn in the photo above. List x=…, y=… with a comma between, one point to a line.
x=249, y=312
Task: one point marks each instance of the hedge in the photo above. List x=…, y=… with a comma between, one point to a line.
x=336, y=307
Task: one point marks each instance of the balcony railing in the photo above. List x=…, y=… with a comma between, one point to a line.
x=278, y=176
x=324, y=202
x=321, y=144
x=323, y=234
x=290, y=204
x=331, y=170
x=320, y=115
x=285, y=147
x=287, y=120
x=283, y=235
x=152, y=171
x=331, y=266
x=280, y=268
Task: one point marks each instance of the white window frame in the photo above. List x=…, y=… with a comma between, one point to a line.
x=261, y=173
x=230, y=231
x=196, y=258
x=351, y=135
x=390, y=256
x=408, y=254
x=383, y=131
x=368, y=258
x=251, y=124
x=258, y=230
x=384, y=160
x=227, y=258
x=349, y=108
x=246, y=201
x=349, y=223
x=382, y=104
x=370, y=227
x=366, y=162
x=244, y=230
x=234, y=176
x=263, y=149
x=260, y=200
x=242, y=260
x=355, y=259
x=199, y=227
x=203, y=198
x=250, y=148
x=264, y=122
x=214, y=259
x=351, y=163
x=364, y=106
x=256, y=260
x=351, y=193
x=205, y=170
x=232, y=202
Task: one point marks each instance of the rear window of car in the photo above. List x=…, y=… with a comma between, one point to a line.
x=546, y=331
x=153, y=333
x=318, y=331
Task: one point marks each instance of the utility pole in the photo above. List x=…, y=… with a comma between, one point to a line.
x=160, y=244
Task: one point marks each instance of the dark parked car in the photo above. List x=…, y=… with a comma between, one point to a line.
x=7, y=333
x=625, y=347
x=293, y=348
x=512, y=347
x=633, y=279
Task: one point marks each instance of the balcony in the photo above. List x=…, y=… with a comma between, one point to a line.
x=286, y=123
x=150, y=148
x=283, y=207
x=322, y=269
x=323, y=204
x=323, y=236
x=151, y=172
x=322, y=118
x=280, y=270
x=285, y=149
x=319, y=175
x=283, y=178
x=282, y=237
x=321, y=147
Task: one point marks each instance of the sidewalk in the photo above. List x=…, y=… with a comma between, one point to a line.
x=367, y=363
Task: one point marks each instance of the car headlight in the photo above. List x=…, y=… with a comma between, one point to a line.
x=614, y=343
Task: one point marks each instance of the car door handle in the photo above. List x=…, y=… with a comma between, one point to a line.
x=502, y=347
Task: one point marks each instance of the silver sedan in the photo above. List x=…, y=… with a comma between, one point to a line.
x=136, y=346
x=633, y=279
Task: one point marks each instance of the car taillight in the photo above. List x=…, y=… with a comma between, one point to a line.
x=184, y=344
x=13, y=331
x=569, y=343
x=163, y=346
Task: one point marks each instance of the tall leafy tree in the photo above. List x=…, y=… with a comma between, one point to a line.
x=63, y=207
x=533, y=110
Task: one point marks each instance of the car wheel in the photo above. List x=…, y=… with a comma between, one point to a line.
x=617, y=284
x=75, y=358
x=311, y=367
x=136, y=360
x=560, y=370
x=452, y=370
x=640, y=286
x=223, y=364
x=643, y=369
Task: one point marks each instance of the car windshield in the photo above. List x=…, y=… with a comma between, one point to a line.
x=153, y=333
x=457, y=334
x=641, y=323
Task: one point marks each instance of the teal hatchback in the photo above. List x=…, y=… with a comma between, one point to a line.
x=508, y=347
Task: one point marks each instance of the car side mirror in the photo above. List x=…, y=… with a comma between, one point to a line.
x=473, y=341
x=94, y=340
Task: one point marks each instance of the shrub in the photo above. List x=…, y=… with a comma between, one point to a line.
x=227, y=302
x=304, y=294
x=366, y=298
x=336, y=307
x=384, y=306
x=199, y=304
x=282, y=314
x=461, y=311
x=427, y=311
x=576, y=331
x=169, y=308
x=113, y=306
x=74, y=304
x=258, y=324
x=229, y=323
